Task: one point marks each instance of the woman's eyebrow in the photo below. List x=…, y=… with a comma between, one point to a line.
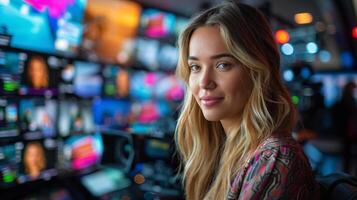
x=214, y=57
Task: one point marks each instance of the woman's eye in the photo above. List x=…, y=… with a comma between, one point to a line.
x=223, y=66
x=194, y=68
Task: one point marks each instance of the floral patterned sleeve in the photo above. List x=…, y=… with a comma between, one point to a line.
x=278, y=170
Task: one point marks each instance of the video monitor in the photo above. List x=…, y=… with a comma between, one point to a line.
x=75, y=117
x=11, y=67
x=146, y=53
x=8, y=118
x=170, y=88
x=43, y=26
x=116, y=81
x=167, y=57
x=40, y=77
x=111, y=113
x=38, y=118
x=110, y=31
x=147, y=115
x=87, y=80
x=157, y=24
x=82, y=151
x=38, y=160
x=10, y=162
x=143, y=84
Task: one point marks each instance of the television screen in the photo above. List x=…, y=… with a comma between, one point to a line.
x=110, y=32
x=11, y=66
x=39, y=159
x=43, y=25
x=148, y=115
x=10, y=161
x=8, y=118
x=75, y=117
x=170, y=88
x=116, y=81
x=113, y=114
x=40, y=76
x=87, y=80
x=83, y=151
x=167, y=57
x=147, y=53
x=38, y=118
x=157, y=24
x=142, y=84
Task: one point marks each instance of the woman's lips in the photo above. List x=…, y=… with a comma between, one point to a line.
x=211, y=101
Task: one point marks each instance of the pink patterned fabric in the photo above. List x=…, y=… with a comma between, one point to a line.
x=278, y=170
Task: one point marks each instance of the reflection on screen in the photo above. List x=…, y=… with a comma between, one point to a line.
x=47, y=26
x=75, y=117
x=83, y=151
x=87, y=80
x=116, y=81
x=38, y=118
x=11, y=66
x=112, y=113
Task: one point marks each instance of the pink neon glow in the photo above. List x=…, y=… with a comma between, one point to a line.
x=56, y=8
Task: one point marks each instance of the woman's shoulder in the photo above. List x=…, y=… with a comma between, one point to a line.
x=279, y=167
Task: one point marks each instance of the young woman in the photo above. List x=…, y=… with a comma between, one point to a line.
x=233, y=133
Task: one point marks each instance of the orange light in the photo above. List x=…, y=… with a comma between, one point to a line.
x=139, y=179
x=354, y=32
x=303, y=18
x=282, y=36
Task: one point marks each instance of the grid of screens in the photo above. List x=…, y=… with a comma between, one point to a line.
x=62, y=86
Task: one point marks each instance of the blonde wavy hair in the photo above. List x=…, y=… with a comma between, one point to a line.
x=210, y=157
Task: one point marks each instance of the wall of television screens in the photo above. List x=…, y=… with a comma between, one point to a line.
x=71, y=69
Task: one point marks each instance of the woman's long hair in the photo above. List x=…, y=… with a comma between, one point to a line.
x=211, y=158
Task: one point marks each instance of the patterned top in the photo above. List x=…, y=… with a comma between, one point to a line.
x=278, y=170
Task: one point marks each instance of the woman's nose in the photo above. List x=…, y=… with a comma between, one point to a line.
x=207, y=80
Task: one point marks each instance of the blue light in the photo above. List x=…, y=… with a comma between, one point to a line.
x=311, y=47
x=305, y=73
x=347, y=60
x=288, y=75
x=325, y=56
x=287, y=49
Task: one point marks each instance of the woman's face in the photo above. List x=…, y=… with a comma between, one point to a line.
x=219, y=83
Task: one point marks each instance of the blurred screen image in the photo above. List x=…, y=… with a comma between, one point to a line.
x=39, y=77
x=87, y=81
x=8, y=118
x=116, y=81
x=109, y=35
x=39, y=159
x=83, y=151
x=10, y=159
x=38, y=118
x=11, y=67
x=75, y=117
x=49, y=26
x=112, y=114
x=157, y=24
